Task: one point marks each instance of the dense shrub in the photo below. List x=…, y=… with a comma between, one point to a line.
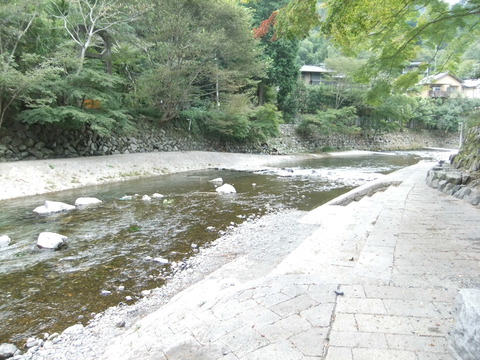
x=232, y=123
x=265, y=123
x=443, y=115
x=331, y=121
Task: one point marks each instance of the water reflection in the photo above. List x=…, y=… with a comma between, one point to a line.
x=111, y=244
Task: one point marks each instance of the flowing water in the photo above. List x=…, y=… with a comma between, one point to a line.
x=112, y=244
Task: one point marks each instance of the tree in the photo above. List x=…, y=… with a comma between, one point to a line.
x=469, y=66
x=201, y=52
x=393, y=32
x=87, y=22
x=313, y=50
x=280, y=54
x=20, y=72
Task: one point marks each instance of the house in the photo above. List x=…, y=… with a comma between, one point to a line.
x=442, y=85
x=314, y=75
x=471, y=88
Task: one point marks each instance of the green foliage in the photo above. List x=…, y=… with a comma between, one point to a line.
x=52, y=69
x=297, y=18
x=391, y=33
x=235, y=122
x=444, y=115
x=331, y=121
x=315, y=98
x=191, y=64
x=313, y=50
x=68, y=96
x=281, y=57
x=473, y=119
x=231, y=121
x=265, y=123
x=103, y=122
x=397, y=108
x=332, y=94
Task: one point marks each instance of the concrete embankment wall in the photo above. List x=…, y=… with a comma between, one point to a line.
x=28, y=142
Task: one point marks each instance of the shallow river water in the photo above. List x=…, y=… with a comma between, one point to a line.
x=112, y=245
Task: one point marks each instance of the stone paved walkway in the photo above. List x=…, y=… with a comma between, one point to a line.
x=377, y=280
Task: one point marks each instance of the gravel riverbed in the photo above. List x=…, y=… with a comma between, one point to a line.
x=246, y=252
x=261, y=242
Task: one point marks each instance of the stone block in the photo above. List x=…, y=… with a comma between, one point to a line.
x=473, y=199
x=464, y=338
x=339, y=353
x=462, y=192
x=454, y=177
x=358, y=340
x=382, y=354
x=358, y=305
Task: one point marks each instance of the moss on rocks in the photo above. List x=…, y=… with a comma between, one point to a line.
x=468, y=158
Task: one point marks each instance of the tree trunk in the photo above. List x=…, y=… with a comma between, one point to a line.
x=261, y=93
x=83, y=51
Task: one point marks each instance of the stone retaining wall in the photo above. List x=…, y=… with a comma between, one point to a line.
x=27, y=142
x=452, y=181
x=405, y=140
x=30, y=142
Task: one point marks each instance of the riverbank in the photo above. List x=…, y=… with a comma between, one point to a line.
x=379, y=283
x=33, y=177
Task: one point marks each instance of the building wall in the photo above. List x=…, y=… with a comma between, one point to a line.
x=472, y=93
x=445, y=83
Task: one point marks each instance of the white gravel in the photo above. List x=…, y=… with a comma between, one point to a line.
x=23, y=178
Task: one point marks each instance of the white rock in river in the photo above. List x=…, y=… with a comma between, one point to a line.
x=84, y=201
x=161, y=260
x=226, y=189
x=53, y=207
x=157, y=196
x=146, y=198
x=73, y=330
x=217, y=181
x=4, y=241
x=7, y=350
x=49, y=240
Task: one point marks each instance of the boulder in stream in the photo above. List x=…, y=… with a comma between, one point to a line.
x=157, y=196
x=85, y=201
x=7, y=351
x=49, y=240
x=217, y=181
x=226, y=189
x=4, y=241
x=52, y=207
x=161, y=260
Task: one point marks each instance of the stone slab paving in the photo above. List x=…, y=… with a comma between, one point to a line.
x=377, y=280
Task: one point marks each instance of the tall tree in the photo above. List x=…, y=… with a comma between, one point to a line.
x=200, y=50
x=281, y=54
x=393, y=31
x=20, y=70
x=88, y=22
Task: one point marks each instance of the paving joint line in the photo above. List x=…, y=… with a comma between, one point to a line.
x=330, y=325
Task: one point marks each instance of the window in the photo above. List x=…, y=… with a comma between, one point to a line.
x=315, y=79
